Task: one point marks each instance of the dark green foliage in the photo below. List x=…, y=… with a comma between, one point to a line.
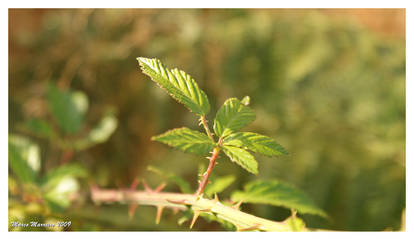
x=68, y=108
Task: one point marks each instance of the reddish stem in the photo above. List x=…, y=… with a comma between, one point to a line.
x=206, y=175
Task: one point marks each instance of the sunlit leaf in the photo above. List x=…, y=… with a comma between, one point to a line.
x=296, y=224
x=246, y=100
x=186, y=140
x=58, y=197
x=99, y=134
x=60, y=183
x=232, y=116
x=54, y=176
x=242, y=158
x=255, y=142
x=218, y=184
x=68, y=108
x=178, y=84
x=24, y=158
x=278, y=194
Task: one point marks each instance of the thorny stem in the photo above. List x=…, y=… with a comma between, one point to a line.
x=207, y=174
x=212, y=159
x=179, y=201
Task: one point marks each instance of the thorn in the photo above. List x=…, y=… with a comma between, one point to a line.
x=159, y=213
x=237, y=205
x=131, y=210
x=255, y=226
x=147, y=188
x=196, y=214
x=216, y=199
x=160, y=187
x=134, y=184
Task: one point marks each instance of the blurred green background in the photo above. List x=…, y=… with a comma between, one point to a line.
x=328, y=85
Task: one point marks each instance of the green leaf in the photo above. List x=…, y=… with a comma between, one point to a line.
x=246, y=100
x=187, y=140
x=178, y=84
x=255, y=142
x=101, y=133
x=60, y=183
x=181, y=183
x=278, y=194
x=218, y=185
x=40, y=128
x=232, y=116
x=68, y=108
x=24, y=158
x=58, y=198
x=296, y=224
x=54, y=176
x=242, y=158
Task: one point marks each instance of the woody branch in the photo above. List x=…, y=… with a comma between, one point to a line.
x=179, y=201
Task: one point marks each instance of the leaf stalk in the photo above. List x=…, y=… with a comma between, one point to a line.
x=205, y=125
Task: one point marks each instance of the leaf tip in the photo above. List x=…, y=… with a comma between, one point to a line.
x=246, y=100
x=141, y=59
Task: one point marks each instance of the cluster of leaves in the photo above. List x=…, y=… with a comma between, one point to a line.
x=231, y=117
x=27, y=182
x=31, y=182
x=68, y=109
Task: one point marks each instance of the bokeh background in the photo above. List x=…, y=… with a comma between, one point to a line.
x=328, y=85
